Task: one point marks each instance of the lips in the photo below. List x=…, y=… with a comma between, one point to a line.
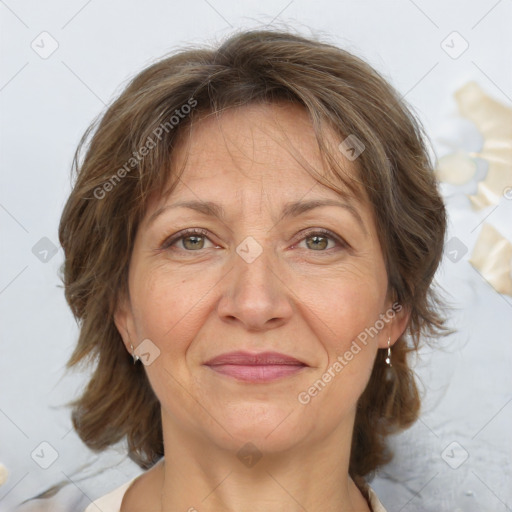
x=260, y=367
x=246, y=359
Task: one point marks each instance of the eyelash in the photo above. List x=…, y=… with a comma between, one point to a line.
x=169, y=241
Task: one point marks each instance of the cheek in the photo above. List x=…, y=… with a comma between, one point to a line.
x=344, y=319
x=168, y=306
x=346, y=306
x=169, y=310
x=346, y=309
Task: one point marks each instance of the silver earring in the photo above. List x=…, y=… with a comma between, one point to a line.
x=135, y=356
x=388, y=358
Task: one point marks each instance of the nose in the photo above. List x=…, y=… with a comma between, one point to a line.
x=254, y=294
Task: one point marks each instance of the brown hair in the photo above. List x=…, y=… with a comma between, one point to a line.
x=116, y=178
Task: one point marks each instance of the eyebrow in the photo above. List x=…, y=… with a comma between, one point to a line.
x=291, y=209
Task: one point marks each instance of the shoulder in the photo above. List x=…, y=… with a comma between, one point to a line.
x=140, y=493
x=369, y=494
x=110, y=502
x=375, y=503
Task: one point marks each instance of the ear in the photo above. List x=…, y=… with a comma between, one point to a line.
x=123, y=318
x=398, y=318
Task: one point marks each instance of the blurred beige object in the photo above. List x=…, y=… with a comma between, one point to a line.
x=494, y=121
x=456, y=168
x=3, y=474
x=492, y=257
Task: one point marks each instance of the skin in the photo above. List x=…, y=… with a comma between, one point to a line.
x=202, y=299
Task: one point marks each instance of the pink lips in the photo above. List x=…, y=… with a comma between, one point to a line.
x=262, y=367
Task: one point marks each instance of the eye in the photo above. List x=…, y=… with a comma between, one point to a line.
x=318, y=240
x=192, y=239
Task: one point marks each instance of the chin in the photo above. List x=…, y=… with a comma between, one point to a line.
x=269, y=427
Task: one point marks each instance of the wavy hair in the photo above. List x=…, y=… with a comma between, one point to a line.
x=115, y=177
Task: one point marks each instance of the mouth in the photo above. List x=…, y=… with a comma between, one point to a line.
x=261, y=367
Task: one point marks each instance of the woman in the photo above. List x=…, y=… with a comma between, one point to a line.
x=250, y=246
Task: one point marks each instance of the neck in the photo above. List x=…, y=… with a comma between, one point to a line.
x=202, y=478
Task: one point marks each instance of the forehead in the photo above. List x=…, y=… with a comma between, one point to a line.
x=258, y=149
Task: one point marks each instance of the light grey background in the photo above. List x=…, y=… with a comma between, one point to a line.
x=47, y=103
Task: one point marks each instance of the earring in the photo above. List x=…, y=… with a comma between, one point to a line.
x=388, y=358
x=135, y=356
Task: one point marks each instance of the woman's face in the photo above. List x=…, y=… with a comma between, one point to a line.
x=266, y=272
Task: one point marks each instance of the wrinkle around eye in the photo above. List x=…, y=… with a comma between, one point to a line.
x=172, y=240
